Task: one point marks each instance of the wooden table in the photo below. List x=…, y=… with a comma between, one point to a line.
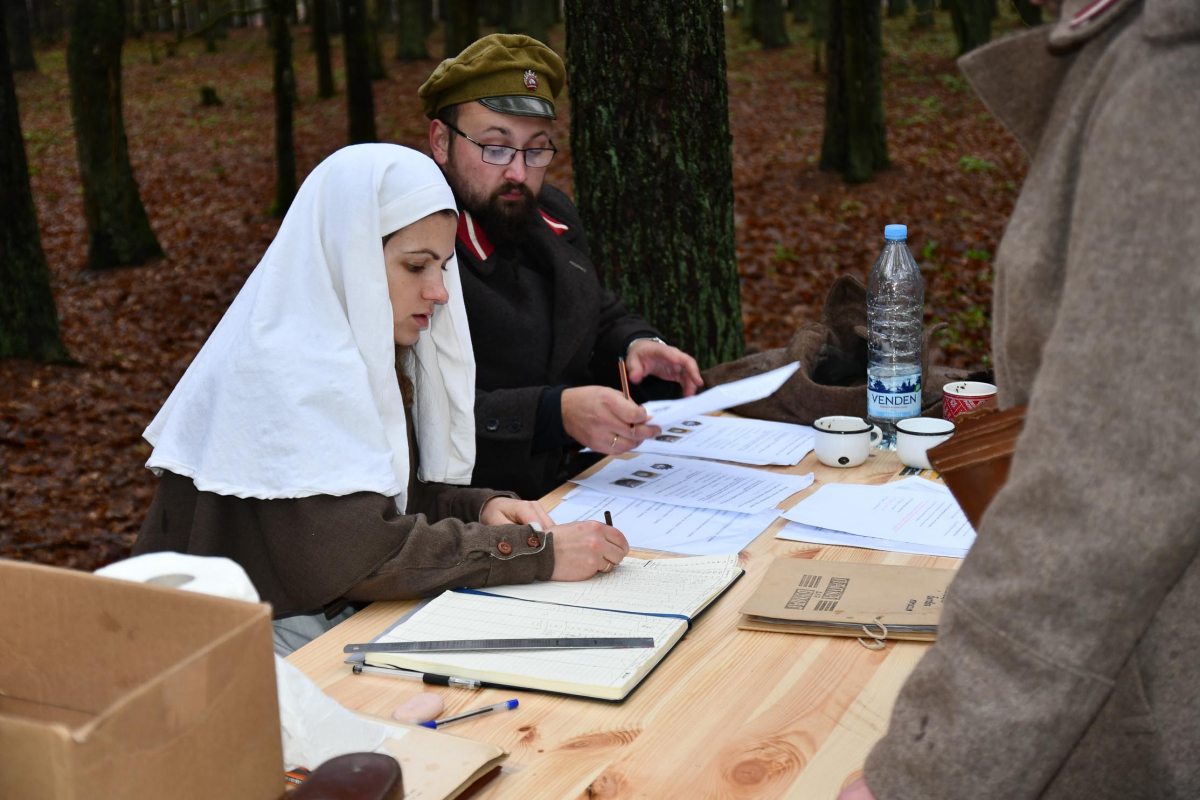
x=727, y=714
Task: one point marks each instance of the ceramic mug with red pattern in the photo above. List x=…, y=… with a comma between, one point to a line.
x=962, y=396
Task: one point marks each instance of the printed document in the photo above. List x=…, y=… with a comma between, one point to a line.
x=665, y=413
x=798, y=532
x=900, y=512
x=746, y=441
x=698, y=484
x=663, y=526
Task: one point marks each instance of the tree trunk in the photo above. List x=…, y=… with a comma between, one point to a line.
x=359, y=100
x=204, y=18
x=855, y=135
x=653, y=167
x=748, y=18
x=320, y=42
x=410, y=32
x=972, y=25
x=897, y=8
x=119, y=232
x=284, y=86
x=800, y=11
x=374, y=48
x=52, y=21
x=238, y=20
x=1031, y=14
x=20, y=37
x=462, y=25
x=924, y=18
x=335, y=18
x=769, y=25
x=819, y=31
x=993, y=8
x=534, y=18
x=28, y=318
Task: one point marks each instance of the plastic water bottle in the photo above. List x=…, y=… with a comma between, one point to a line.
x=895, y=317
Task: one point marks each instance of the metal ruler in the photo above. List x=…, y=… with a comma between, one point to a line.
x=499, y=644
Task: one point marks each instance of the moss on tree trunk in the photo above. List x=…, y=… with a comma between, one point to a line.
x=28, y=319
x=650, y=144
x=119, y=232
x=855, y=140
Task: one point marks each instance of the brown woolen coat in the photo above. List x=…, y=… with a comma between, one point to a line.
x=1068, y=665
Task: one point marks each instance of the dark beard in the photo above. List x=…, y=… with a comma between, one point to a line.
x=505, y=222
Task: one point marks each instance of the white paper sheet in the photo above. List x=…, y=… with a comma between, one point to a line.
x=798, y=532
x=664, y=526
x=901, y=512
x=657, y=586
x=665, y=413
x=698, y=484
x=746, y=441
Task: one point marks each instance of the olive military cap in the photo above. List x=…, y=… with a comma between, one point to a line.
x=509, y=73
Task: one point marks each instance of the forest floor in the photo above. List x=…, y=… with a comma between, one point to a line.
x=73, y=486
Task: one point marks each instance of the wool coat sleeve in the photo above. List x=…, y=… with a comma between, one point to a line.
x=1100, y=516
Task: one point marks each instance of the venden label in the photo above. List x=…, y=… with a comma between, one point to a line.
x=897, y=397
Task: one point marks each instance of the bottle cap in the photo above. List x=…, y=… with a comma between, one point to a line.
x=895, y=233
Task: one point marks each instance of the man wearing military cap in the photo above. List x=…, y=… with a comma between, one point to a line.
x=546, y=334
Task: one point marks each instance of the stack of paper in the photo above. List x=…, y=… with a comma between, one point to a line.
x=909, y=516
x=665, y=413
x=663, y=526
x=696, y=484
x=746, y=441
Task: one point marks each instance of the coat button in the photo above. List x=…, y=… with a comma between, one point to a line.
x=532, y=541
x=514, y=426
x=492, y=424
x=504, y=547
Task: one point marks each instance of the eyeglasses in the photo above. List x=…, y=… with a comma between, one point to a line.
x=502, y=156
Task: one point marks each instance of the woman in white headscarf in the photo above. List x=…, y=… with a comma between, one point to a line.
x=289, y=446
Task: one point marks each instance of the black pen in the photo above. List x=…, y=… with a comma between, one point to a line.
x=424, y=677
x=608, y=518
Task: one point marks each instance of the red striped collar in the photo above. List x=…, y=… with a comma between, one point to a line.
x=471, y=234
x=1090, y=10
x=473, y=237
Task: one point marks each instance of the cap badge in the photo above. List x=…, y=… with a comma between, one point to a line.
x=531, y=80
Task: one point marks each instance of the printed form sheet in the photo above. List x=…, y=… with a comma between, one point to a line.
x=644, y=586
x=664, y=526
x=746, y=441
x=698, y=484
x=666, y=413
x=454, y=615
x=901, y=512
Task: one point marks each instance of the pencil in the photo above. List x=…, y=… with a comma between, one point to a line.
x=625, y=385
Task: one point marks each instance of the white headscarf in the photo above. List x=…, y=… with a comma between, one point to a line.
x=295, y=392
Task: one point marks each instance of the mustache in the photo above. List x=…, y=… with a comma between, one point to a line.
x=509, y=187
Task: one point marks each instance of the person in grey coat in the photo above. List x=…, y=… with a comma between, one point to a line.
x=1068, y=663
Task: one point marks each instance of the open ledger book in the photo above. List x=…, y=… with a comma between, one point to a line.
x=657, y=598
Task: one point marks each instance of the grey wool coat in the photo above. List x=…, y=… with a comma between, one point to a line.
x=1068, y=664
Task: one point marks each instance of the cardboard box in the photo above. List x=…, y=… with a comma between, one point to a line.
x=111, y=689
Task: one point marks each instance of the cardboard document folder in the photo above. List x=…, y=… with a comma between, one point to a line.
x=835, y=598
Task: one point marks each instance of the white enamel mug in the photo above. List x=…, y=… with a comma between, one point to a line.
x=916, y=435
x=844, y=441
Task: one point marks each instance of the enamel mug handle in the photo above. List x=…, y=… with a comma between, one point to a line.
x=876, y=435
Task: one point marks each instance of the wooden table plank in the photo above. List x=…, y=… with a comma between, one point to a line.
x=728, y=713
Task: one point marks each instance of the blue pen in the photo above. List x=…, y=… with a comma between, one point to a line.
x=438, y=723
